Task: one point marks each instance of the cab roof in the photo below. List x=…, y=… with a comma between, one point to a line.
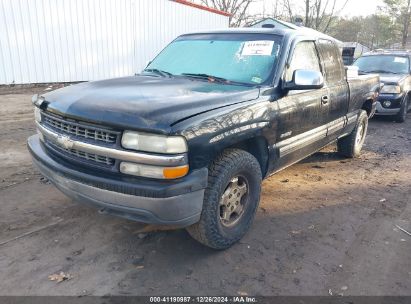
x=246, y=30
x=300, y=31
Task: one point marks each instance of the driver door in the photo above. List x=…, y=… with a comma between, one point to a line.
x=301, y=126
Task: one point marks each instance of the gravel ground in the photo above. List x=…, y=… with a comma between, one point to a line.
x=327, y=225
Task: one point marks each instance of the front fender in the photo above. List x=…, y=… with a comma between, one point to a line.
x=207, y=135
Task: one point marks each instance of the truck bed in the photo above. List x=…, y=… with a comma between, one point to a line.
x=361, y=88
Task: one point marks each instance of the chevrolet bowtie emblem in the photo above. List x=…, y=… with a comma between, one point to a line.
x=65, y=141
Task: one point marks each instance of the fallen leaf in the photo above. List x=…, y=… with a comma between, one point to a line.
x=263, y=209
x=60, y=277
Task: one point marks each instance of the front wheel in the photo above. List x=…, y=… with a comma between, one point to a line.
x=402, y=115
x=230, y=200
x=351, y=145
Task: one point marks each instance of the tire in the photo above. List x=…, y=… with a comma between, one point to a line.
x=402, y=115
x=227, y=176
x=351, y=145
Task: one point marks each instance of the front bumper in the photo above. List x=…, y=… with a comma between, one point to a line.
x=178, y=203
x=396, y=103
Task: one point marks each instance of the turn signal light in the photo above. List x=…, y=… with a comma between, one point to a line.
x=153, y=171
x=175, y=172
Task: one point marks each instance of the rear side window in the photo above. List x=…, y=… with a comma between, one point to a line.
x=305, y=57
x=332, y=61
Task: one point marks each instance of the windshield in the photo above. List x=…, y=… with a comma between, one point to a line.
x=242, y=58
x=383, y=64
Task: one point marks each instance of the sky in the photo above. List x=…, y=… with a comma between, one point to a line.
x=353, y=8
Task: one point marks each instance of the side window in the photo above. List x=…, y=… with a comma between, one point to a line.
x=332, y=60
x=305, y=57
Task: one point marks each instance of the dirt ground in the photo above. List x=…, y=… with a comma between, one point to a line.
x=325, y=226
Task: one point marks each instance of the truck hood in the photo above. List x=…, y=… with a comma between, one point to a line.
x=392, y=78
x=144, y=102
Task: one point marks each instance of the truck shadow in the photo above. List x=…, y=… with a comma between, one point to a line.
x=284, y=249
x=323, y=157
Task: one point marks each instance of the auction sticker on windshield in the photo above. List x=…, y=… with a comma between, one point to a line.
x=258, y=48
x=400, y=60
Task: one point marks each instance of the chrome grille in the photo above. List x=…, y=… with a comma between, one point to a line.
x=79, y=129
x=84, y=155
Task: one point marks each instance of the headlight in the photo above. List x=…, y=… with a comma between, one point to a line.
x=153, y=171
x=37, y=114
x=391, y=89
x=153, y=143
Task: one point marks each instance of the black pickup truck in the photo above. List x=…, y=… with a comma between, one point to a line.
x=188, y=141
x=394, y=68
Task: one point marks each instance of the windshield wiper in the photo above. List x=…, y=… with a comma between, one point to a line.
x=159, y=72
x=213, y=78
x=380, y=71
x=206, y=76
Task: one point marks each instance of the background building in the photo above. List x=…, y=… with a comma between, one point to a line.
x=352, y=51
x=287, y=25
x=44, y=41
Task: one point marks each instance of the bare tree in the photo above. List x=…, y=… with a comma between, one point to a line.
x=288, y=8
x=317, y=14
x=277, y=10
x=307, y=12
x=237, y=8
x=320, y=13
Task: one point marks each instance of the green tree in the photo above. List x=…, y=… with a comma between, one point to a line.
x=374, y=31
x=400, y=12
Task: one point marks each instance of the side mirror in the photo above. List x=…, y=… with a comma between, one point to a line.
x=305, y=80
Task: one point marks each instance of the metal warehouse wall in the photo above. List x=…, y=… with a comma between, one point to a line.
x=78, y=40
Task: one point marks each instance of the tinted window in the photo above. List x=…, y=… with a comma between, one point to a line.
x=305, y=57
x=383, y=64
x=332, y=61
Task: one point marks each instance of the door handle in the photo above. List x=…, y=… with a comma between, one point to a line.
x=325, y=99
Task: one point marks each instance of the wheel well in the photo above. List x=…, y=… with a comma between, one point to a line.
x=367, y=106
x=256, y=146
